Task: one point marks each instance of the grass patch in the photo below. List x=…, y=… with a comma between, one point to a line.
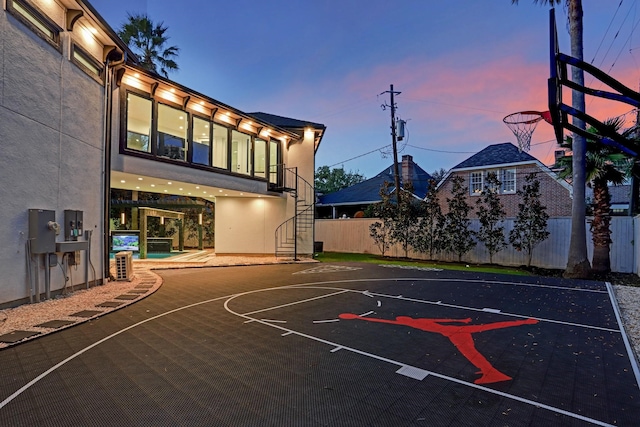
x=377, y=259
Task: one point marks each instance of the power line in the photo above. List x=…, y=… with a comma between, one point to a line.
x=361, y=155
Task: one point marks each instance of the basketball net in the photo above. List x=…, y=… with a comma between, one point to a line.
x=523, y=123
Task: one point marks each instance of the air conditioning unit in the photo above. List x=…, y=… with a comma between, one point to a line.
x=124, y=266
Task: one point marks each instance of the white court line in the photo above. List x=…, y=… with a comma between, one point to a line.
x=274, y=320
x=463, y=307
x=491, y=310
x=326, y=321
x=296, y=302
x=632, y=358
x=367, y=313
x=408, y=368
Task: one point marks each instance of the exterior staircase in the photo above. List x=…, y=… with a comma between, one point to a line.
x=288, y=233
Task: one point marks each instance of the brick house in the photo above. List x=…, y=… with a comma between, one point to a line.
x=511, y=166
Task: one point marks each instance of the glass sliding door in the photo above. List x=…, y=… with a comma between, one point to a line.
x=241, y=156
x=201, y=141
x=220, y=146
x=172, y=133
x=260, y=158
x=274, y=161
x=138, y=123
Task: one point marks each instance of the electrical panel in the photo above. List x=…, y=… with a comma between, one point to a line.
x=42, y=231
x=73, y=224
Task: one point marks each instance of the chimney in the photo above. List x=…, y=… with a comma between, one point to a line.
x=407, y=169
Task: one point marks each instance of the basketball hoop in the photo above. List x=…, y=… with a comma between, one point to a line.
x=523, y=123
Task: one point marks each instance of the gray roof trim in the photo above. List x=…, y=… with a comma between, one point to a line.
x=496, y=166
x=349, y=203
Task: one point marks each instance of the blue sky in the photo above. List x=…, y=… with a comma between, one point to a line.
x=461, y=65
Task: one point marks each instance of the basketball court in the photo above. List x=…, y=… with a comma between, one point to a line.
x=340, y=344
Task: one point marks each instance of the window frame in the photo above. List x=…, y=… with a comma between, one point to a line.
x=215, y=126
x=157, y=133
x=97, y=76
x=35, y=14
x=503, y=181
x=192, y=142
x=125, y=122
x=473, y=183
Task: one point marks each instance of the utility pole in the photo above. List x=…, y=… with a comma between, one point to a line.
x=394, y=140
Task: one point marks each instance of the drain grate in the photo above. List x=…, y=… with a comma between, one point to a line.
x=110, y=304
x=15, y=336
x=55, y=324
x=86, y=313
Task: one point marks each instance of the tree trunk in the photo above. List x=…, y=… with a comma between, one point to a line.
x=600, y=227
x=578, y=264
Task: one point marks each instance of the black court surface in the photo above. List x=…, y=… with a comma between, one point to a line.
x=334, y=345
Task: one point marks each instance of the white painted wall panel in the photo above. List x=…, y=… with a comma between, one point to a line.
x=247, y=225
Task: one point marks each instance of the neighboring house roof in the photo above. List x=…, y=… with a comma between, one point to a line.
x=368, y=191
x=502, y=155
x=496, y=154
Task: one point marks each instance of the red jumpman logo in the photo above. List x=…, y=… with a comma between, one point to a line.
x=459, y=335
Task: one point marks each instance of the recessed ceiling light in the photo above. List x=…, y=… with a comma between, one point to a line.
x=242, y=194
x=204, y=192
x=139, y=179
x=172, y=90
x=153, y=185
x=197, y=187
x=122, y=181
x=220, y=191
x=180, y=189
x=201, y=102
x=137, y=188
x=136, y=75
x=169, y=182
x=165, y=191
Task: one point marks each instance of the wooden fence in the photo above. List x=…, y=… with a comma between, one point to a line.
x=352, y=235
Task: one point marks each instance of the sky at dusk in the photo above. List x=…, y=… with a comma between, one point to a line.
x=461, y=65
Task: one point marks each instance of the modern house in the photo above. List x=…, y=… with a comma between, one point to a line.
x=348, y=201
x=511, y=166
x=79, y=117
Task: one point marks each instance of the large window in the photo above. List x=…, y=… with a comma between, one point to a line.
x=201, y=141
x=241, y=155
x=220, y=146
x=274, y=161
x=138, y=123
x=36, y=20
x=260, y=158
x=172, y=132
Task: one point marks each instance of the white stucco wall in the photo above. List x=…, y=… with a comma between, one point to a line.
x=52, y=145
x=247, y=225
x=301, y=155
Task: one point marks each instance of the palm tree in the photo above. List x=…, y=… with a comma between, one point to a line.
x=604, y=165
x=148, y=40
x=578, y=263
